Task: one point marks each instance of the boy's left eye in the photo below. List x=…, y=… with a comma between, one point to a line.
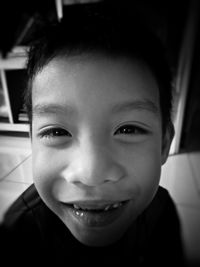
x=130, y=130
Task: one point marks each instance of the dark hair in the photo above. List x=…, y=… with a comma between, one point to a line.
x=93, y=29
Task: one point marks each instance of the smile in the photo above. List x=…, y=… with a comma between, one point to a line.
x=96, y=214
x=105, y=207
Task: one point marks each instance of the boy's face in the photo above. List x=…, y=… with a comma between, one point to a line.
x=96, y=143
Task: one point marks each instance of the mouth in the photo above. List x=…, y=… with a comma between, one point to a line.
x=84, y=206
x=96, y=214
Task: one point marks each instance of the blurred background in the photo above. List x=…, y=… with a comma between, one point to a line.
x=178, y=26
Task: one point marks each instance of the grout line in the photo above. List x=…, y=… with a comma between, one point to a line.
x=6, y=175
x=18, y=182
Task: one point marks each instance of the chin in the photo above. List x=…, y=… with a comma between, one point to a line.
x=98, y=241
x=99, y=237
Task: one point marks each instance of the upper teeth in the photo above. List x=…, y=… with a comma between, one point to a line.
x=108, y=207
x=113, y=206
x=76, y=207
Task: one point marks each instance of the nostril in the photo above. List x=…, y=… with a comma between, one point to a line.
x=93, y=171
x=88, y=182
x=94, y=181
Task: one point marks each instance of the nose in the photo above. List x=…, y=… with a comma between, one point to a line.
x=93, y=166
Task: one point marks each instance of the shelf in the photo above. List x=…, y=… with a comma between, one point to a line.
x=16, y=59
x=14, y=127
x=13, y=63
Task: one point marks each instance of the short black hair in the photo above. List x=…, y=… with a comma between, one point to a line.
x=95, y=29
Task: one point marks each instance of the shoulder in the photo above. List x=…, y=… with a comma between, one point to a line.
x=162, y=194
x=163, y=201
x=162, y=209
x=23, y=207
x=21, y=228
x=162, y=230
x=24, y=220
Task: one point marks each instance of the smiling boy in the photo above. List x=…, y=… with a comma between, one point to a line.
x=99, y=104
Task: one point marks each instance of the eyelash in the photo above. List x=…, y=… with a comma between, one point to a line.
x=125, y=130
x=130, y=130
x=54, y=132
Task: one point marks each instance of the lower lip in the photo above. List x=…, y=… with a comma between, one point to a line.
x=96, y=218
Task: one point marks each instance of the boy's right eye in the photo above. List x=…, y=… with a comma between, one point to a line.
x=54, y=135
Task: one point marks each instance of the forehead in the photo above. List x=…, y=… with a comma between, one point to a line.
x=83, y=80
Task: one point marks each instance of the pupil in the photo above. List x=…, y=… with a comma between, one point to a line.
x=127, y=130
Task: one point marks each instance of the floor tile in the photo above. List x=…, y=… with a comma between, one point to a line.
x=8, y=162
x=23, y=173
x=177, y=177
x=13, y=151
x=20, y=145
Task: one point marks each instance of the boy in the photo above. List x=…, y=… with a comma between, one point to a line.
x=99, y=103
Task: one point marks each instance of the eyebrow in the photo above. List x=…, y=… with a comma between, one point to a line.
x=143, y=105
x=46, y=108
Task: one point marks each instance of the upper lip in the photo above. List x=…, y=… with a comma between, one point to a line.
x=93, y=204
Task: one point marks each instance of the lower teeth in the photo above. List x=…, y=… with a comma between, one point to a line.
x=78, y=213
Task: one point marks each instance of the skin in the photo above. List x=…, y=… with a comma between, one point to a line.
x=90, y=146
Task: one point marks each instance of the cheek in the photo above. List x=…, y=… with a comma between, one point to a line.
x=46, y=168
x=144, y=168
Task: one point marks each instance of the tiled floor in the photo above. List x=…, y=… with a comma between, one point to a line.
x=180, y=175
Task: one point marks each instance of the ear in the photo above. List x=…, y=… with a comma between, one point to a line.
x=166, y=142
